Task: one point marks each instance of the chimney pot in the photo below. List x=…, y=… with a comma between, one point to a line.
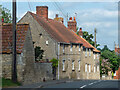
x=56, y=15
x=70, y=18
x=80, y=29
x=74, y=18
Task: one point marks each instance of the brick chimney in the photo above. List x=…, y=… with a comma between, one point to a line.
x=80, y=33
x=42, y=11
x=60, y=19
x=72, y=24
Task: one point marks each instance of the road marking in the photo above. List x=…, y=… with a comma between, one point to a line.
x=90, y=83
x=83, y=86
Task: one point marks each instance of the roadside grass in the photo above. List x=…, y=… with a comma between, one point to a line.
x=9, y=83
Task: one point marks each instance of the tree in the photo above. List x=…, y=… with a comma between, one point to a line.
x=6, y=15
x=89, y=37
x=54, y=66
x=113, y=59
x=38, y=53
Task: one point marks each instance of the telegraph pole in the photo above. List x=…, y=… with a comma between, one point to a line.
x=14, y=68
x=95, y=37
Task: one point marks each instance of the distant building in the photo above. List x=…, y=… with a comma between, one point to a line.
x=77, y=58
x=117, y=49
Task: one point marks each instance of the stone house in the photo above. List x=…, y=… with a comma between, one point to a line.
x=27, y=69
x=77, y=58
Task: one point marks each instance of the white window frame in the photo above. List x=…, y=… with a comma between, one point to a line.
x=79, y=47
x=86, y=67
x=94, y=55
x=89, y=52
x=46, y=42
x=63, y=48
x=97, y=68
x=97, y=56
x=79, y=65
x=73, y=65
x=86, y=52
x=94, y=69
x=89, y=68
x=63, y=65
x=71, y=48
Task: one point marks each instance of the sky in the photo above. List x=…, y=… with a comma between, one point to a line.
x=90, y=15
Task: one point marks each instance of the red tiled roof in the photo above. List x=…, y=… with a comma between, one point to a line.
x=60, y=33
x=7, y=37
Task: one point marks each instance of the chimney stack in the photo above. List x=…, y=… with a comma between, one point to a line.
x=42, y=11
x=60, y=19
x=72, y=24
x=80, y=33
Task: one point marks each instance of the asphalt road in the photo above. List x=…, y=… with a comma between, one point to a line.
x=87, y=84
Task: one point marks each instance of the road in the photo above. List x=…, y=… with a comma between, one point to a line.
x=87, y=84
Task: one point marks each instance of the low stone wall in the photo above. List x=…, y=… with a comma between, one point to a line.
x=27, y=72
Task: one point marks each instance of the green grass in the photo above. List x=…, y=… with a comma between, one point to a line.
x=9, y=83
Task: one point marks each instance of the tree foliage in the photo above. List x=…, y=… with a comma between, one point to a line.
x=111, y=56
x=38, y=53
x=6, y=15
x=54, y=63
x=89, y=37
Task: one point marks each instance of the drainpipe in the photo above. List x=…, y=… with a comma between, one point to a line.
x=58, y=58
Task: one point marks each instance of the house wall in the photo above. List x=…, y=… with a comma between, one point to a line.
x=51, y=51
x=40, y=40
x=28, y=71
x=70, y=56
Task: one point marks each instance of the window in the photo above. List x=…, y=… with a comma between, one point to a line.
x=94, y=69
x=79, y=47
x=97, y=56
x=63, y=48
x=89, y=52
x=73, y=65
x=85, y=67
x=98, y=68
x=79, y=65
x=63, y=65
x=94, y=55
x=86, y=52
x=89, y=68
x=46, y=42
x=71, y=47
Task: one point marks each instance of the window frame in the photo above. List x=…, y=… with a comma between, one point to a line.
x=73, y=64
x=63, y=65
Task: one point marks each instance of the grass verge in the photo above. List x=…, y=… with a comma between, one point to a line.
x=9, y=83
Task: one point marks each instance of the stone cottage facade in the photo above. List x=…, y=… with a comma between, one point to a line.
x=77, y=58
x=27, y=69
